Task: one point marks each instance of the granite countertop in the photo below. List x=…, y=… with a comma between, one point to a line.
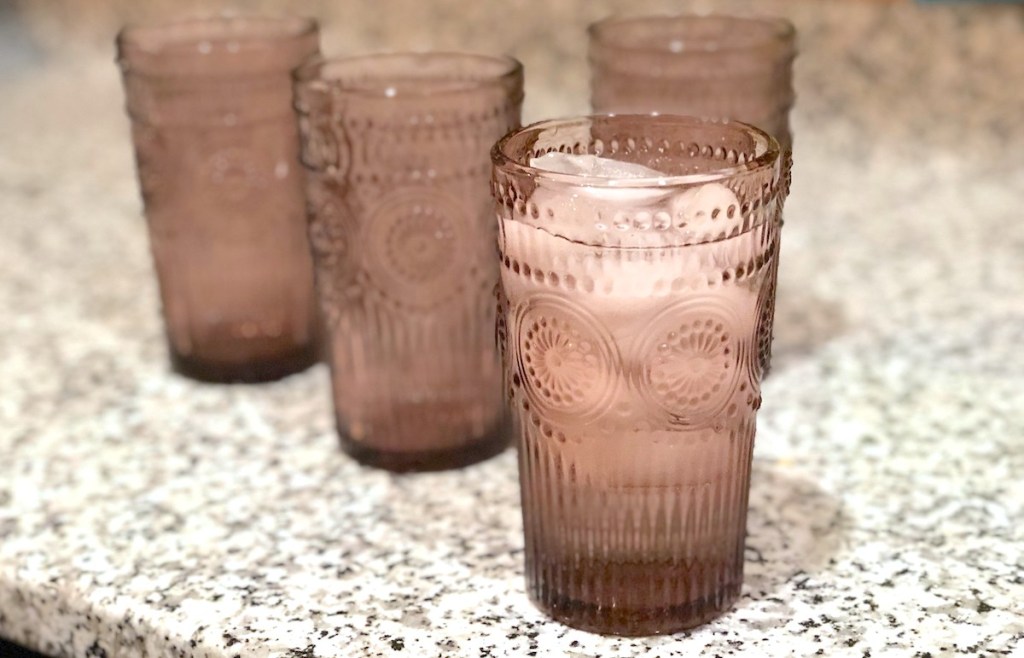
x=142, y=514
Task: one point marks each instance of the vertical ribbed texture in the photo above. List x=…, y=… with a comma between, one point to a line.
x=613, y=546
x=407, y=383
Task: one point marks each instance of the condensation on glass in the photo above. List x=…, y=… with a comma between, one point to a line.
x=629, y=324
x=712, y=66
x=217, y=157
x=403, y=232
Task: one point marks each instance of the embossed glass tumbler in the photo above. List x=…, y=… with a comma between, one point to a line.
x=402, y=232
x=630, y=315
x=713, y=66
x=217, y=156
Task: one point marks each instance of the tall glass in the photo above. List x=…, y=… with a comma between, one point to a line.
x=217, y=153
x=402, y=231
x=630, y=317
x=713, y=66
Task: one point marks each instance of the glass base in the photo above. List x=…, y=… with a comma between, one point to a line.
x=487, y=446
x=613, y=619
x=248, y=372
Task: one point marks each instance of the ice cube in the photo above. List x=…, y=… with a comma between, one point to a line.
x=592, y=166
x=597, y=211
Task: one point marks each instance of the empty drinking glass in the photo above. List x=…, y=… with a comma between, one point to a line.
x=712, y=66
x=402, y=231
x=217, y=152
x=709, y=66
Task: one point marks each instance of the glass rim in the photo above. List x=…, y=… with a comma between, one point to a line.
x=782, y=31
x=501, y=159
x=282, y=28
x=508, y=69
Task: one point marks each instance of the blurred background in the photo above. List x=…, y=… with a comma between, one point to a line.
x=880, y=37
x=907, y=115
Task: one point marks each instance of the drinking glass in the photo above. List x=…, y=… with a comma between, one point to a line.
x=629, y=323
x=403, y=232
x=715, y=66
x=216, y=150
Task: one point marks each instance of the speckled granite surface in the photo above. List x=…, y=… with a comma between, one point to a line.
x=144, y=515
